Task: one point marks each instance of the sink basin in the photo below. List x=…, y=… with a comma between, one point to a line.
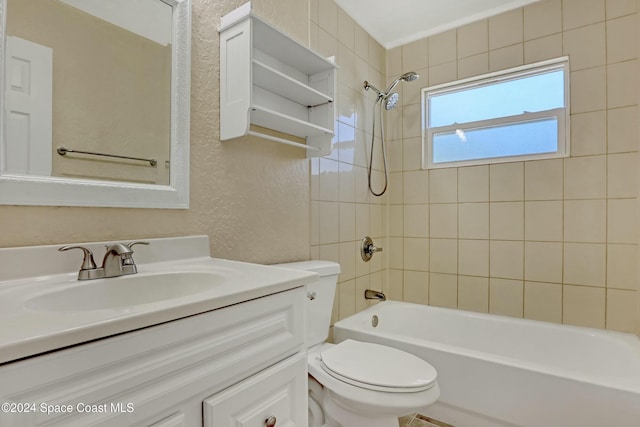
x=125, y=291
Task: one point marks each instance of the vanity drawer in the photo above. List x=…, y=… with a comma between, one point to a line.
x=156, y=369
x=278, y=394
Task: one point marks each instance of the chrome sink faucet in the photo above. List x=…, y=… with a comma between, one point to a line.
x=117, y=261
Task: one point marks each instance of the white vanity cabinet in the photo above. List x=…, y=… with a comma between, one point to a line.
x=245, y=361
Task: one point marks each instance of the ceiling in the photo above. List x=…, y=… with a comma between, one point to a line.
x=394, y=23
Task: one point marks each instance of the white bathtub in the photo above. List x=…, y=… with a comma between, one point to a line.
x=501, y=371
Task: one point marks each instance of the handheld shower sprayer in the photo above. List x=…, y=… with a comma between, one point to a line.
x=390, y=101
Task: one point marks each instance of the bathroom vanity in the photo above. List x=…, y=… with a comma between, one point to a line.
x=232, y=354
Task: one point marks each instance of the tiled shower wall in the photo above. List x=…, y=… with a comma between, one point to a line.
x=342, y=211
x=553, y=240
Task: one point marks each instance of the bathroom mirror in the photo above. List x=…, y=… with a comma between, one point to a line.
x=95, y=101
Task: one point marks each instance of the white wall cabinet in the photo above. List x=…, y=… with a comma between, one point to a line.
x=270, y=81
x=165, y=375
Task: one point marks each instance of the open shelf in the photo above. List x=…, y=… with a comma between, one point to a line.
x=270, y=80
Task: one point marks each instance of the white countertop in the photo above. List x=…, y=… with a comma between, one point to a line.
x=25, y=331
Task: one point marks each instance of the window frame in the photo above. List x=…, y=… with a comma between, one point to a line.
x=562, y=115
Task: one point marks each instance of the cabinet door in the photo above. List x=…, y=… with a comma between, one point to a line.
x=175, y=420
x=276, y=397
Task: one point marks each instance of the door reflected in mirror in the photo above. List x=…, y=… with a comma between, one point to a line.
x=92, y=76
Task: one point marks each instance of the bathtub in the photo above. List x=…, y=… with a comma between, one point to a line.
x=501, y=371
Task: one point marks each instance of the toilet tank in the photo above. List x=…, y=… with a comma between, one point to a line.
x=320, y=295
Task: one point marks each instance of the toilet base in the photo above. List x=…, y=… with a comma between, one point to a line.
x=337, y=416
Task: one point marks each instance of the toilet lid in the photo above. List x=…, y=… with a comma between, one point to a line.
x=378, y=367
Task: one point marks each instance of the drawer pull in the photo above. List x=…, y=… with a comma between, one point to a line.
x=270, y=422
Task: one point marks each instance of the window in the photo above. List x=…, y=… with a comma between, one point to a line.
x=516, y=114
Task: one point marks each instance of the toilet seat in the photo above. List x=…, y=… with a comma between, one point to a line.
x=377, y=367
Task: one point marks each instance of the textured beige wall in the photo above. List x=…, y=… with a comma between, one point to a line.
x=112, y=91
x=250, y=196
x=553, y=240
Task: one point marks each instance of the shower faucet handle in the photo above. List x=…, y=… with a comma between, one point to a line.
x=367, y=249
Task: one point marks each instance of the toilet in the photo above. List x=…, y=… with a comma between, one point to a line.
x=353, y=383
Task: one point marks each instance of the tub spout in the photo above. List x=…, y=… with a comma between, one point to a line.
x=371, y=294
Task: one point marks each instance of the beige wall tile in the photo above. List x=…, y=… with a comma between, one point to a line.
x=443, y=221
x=346, y=29
x=412, y=151
x=362, y=220
x=394, y=289
x=622, y=266
x=443, y=256
x=507, y=220
x=543, y=301
x=473, y=293
x=622, y=223
x=396, y=253
x=585, y=221
x=362, y=43
x=411, y=121
x=622, y=130
x=622, y=311
x=473, y=220
x=315, y=223
x=443, y=185
x=348, y=252
x=589, y=133
x=506, y=29
x=473, y=65
x=328, y=17
x=346, y=182
x=506, y=182
x=442, y=48
x=548, y=47
x=395, y=190
x=615, y=8
x=542, y=18
x=583, y=306
x=543, y=262
x=443, y=290
x=347, y=296
x=577, y=13
x=416, y=287
x=622, y=84
x=443, y=73
x=396, y=221
x=586, y=46
x=416, y=254
x=473, y=257
x=473, y=39
x=329, y=180
x=506, y=297
x=416, y=221
x=329, y=220
x=620, y=170
x=543, y=179
x=543, y=221
x=473, y=184
x=415, y=55
x=588, y=90
x=362, y=284
x=330, y=253
x=622, y=39
x=347, y=212
x=506, y=259
x=506, y=57
x=585, y=264
x=585, y=177
x=416, y=187
x=394, y=61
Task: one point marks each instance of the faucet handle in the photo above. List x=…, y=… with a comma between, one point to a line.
x=87, y=262
x=136, y=243
x=88, y=270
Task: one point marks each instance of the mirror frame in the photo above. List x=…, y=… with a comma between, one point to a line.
x=56, y=191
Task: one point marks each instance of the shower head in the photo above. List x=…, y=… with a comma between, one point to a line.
x=410, y=76
x=406, y=77
x=391, y=101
